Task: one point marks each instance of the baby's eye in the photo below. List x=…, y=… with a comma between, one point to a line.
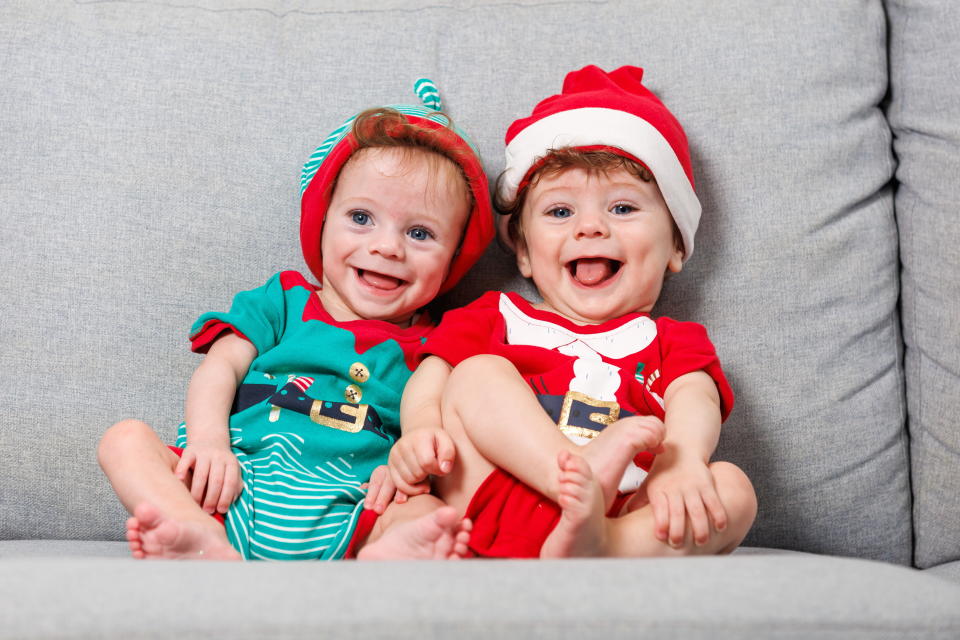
x=622, y=209
x=559, y=212
x=360, y=217
x=420, y=233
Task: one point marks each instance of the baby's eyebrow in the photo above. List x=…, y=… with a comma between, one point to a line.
x=549, y=191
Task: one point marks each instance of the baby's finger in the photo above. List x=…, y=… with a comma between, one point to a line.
x=425, y=456
x=400, y=475
x=446, y=453
x=214, y=488
x=231, y=488
x=200, y=471
x=373, y=486
x=409, y=465
x=381, y=491
x=699, y=523
x=678, y=520
x=384, y=496
x=661, y=515
x=183, y=465
x=715, y=508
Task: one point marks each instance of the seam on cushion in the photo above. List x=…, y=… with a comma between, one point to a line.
x=904, y=439
x=909, y=317
x=914, y=423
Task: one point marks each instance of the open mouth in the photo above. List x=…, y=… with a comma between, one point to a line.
x=380, y=281
x=592, y=272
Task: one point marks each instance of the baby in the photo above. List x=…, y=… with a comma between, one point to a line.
x=297, y=400
x=580, y=424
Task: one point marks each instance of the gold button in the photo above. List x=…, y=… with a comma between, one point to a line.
x=353, y=393
x=359, y=372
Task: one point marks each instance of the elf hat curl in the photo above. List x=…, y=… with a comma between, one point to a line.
x=322, y=168
x=614, y=112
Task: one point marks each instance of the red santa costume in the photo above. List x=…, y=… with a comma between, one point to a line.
x=585, y=377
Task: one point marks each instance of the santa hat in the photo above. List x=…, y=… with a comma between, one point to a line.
x=614, y=112
x=322, y=168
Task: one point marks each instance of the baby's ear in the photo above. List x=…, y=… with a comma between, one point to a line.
x=675, y=265
x=523, y=260
x=503, y=231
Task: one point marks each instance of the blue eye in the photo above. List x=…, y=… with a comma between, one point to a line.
x=360, y=218
x=420, y=233
x=623, y=209
x=559, y=212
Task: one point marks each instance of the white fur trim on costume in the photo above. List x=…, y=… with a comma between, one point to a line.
x=591, y=126
x=617, y=343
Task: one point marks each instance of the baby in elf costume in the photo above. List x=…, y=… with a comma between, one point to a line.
x=297, y=401
x=581, y=425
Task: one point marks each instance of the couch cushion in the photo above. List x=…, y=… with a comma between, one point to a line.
x=152, y=157
x=949, y=571
x=925, y=114
x=767, y=596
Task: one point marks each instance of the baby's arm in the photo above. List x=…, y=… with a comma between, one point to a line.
x=424, y=448
x=216, y=473
x=680, y=484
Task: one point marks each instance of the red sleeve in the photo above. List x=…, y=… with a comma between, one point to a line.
x=466, y=331
x=685, y=348
x=200, y=341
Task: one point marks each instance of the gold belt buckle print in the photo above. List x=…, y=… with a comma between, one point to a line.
x=357, y=411
x=576, y=415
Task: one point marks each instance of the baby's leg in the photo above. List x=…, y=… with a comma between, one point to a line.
x=581, y=530
x=499, y=414
x=421, y=527
x=632, y=534
x=141, y=469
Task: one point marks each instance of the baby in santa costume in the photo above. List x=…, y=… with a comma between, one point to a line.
x=297, y=401
x=580, y=424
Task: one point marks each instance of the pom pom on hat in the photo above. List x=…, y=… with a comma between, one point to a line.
x=616, y=112
x=324, y=165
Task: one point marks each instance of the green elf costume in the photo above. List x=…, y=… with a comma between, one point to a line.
x=319, y=407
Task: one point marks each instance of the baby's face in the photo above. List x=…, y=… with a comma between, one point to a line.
x=394, y=222
x=597, y=246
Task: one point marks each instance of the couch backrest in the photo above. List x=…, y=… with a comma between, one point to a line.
x=151, y=163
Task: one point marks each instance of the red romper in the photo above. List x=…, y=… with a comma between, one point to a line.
x=585, y=377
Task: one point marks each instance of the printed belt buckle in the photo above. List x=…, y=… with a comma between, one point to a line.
x=358, y=413
x=586, y=417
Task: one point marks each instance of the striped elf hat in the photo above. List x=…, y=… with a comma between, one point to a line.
x=322, y=168
x=614, y=112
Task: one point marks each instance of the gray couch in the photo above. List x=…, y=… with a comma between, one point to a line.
x=150, y=162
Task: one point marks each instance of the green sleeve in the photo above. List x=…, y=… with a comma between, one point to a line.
x=259, y=315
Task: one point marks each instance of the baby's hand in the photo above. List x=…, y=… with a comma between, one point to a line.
x=380, y=490
x=216, y=478
x=680, y=489
x=418, y=454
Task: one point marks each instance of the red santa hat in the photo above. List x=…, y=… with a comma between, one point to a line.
x=614, y=112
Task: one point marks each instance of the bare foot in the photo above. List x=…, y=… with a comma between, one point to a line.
x=615, y=447
x=438, y=535
x=150, y=534
x=582, y=525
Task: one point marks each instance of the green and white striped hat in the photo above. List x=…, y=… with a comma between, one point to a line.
x=324, y=165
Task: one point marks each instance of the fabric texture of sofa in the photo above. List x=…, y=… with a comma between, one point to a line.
x=151, y=156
